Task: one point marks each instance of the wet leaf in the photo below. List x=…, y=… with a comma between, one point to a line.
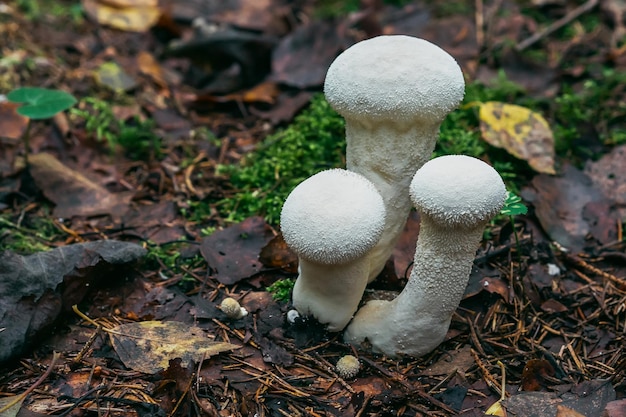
x=73, y=193
x=521, y=132
x=41, y=103
x=233, y=253
x=150, y=345
x=132, y=16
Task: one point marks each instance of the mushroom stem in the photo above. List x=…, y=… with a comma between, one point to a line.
x=390, y=171
x=325, y=294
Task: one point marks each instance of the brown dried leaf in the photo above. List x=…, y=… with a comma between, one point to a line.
x=233, y=253
x=276, y=254
x=73, y=193
x=534, y=373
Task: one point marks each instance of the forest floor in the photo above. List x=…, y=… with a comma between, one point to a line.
x=128, y=209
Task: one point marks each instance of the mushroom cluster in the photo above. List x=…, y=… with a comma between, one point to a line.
x=393, y=92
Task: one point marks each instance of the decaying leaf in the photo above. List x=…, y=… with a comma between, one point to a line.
x=149, y=346
x=233, y=253
x=276, y=254
x=521, y=132
x=35, y=289
x=112, y=76
x=132, y=15
x=73, y=193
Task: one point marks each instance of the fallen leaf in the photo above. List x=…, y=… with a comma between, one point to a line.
x=73, y=193
x=562, y=411
x=132, y=16
x=112, y=76
x=459, y=360
x=12, y=124
x=303, y=57
x=149, y=66
x=560, y=206
x=597, y=394
x=233, y=253
x=276, y=254
x=609, y=174
x=10, y=406
x=615, y=408
x=149, y=346
x=521, y=132
x=35, y=289
x=534, y=374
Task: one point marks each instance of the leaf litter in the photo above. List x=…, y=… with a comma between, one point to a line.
x=287, y=369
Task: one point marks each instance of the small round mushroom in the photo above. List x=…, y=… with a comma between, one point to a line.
x=331, y=221
x=456, y=197
x=394, y=92
x=233, y=309
x=348, y=367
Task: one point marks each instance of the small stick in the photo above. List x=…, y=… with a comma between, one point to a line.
x=573, y=15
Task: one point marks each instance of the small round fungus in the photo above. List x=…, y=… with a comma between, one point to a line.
x=348, y=367
x=233, y=309
x=331, y=221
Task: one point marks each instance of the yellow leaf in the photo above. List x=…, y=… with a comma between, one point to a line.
x=128, y=16
x=496, y=409
x=149, y=346
x=521, y=132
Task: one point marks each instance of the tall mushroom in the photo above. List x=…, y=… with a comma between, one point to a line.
x=331, y=221
x=456, y=197
x=394, y=92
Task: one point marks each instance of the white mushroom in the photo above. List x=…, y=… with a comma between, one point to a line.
x=348, y=366
x=331, y=221
x=394, y=92
x=456, y=197
x=233, y=309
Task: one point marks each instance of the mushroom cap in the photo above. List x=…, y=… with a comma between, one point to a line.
x=333, y=217
x=458, y=191
x=394, y=77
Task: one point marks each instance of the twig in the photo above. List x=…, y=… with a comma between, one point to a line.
x=573, y=15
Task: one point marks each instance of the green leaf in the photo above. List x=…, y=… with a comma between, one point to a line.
x=41, y=103
x=513, y=205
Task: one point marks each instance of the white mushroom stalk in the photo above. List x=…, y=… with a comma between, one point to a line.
x=394, y=92
x=456, y=197
x=331, y=221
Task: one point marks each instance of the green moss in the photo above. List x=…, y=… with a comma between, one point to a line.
x=281, y=289
x=34, y=234
x=313, y=142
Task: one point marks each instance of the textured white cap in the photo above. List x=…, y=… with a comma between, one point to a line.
x=333, y=217
x=394, y=77
x=458, y=190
